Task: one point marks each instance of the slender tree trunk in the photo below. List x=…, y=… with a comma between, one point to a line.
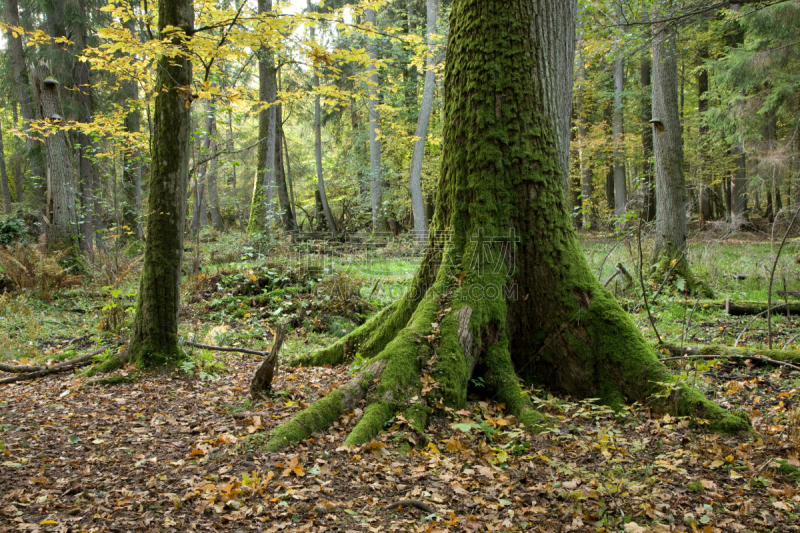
x=22, y=85
x=417, y=201
x=588, y=211
x=213, y=170
x=4, y=176
x=739, y=215
x=702, y=108
x=83, y=101
x=289, y=178
x=284, y=201
x=649, y=184
x=670, y=237
x=154, y=340
x=376, y=172
x=323, y=197
x=618, y=128
x=62, y=225
x=131, y=160
x=526, y=304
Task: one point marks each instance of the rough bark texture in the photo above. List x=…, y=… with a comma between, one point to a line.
x=62, y=227
x=84, y=109
x=417, y=202
x=16, y=53
x=670, y=238
x=510, y=292
x=618, y=126
x=155, y=332
x=262, y=207
x=376, y=173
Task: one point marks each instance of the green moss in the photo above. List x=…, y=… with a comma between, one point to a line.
x=789, y=471
x=503, y=380
x=113, y=380
x=417, y=417
x=318, y=416
x=695, y=486
x=692, y=403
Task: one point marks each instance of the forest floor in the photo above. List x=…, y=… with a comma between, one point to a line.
x=183, y=450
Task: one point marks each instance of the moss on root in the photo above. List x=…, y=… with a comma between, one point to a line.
x=325, y=411
x=691, y=402
x=789, y=471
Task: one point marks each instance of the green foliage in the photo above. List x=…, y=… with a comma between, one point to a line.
x=203, y=365
x=12, y=229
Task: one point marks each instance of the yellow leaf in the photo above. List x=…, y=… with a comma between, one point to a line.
x=47, y=522
x=717, y=463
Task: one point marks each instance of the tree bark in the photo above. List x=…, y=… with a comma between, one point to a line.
x=417, y=201
x=262, y=206
x=83, y=101
x=284, y=200
x=4, y=176
x=154, y=339
x=649, y=209
x=618, y=128
x=376, y=172
x=16, y=53
x=323, y=197
x=132, y=161
x=588, y=211
x=670, y=239
x=62, y=225
x=525, y=302
x=702, y=108
x=211, y=178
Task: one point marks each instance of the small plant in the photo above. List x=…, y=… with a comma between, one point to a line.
x=203, y=365
x=115, y=310
x=31, y=267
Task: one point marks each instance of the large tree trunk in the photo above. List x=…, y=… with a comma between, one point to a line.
x=376, y=173
x=22, y=85
x=262, y=207
x=417, y=202
x=154, y=339
x=524, y=301
x=649, y=208
x=670, y=238
x=618, y=127
x=323, y=197
x=62, y=226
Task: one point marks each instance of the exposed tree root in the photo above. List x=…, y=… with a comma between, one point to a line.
x=213, y=348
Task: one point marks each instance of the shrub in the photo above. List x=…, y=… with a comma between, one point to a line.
x=30, y=267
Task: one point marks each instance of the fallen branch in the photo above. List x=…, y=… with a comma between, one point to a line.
x=748, y=357
x=224, y=348
x=18, y=369
x=55, y=369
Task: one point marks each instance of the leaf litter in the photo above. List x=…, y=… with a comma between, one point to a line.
x=173, y=452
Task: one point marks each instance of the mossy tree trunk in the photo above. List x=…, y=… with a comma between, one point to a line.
x=154, y=340
x=509, y=292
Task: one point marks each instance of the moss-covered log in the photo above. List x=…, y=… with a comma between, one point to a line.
x=510, y=294
x=786, y=356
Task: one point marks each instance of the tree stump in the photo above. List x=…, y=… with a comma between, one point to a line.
x=261, y=384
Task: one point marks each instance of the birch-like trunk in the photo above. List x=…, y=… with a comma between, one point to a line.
x=417, y=201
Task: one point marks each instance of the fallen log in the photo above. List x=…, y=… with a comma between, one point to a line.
x=790, y=358
x=83, y=360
